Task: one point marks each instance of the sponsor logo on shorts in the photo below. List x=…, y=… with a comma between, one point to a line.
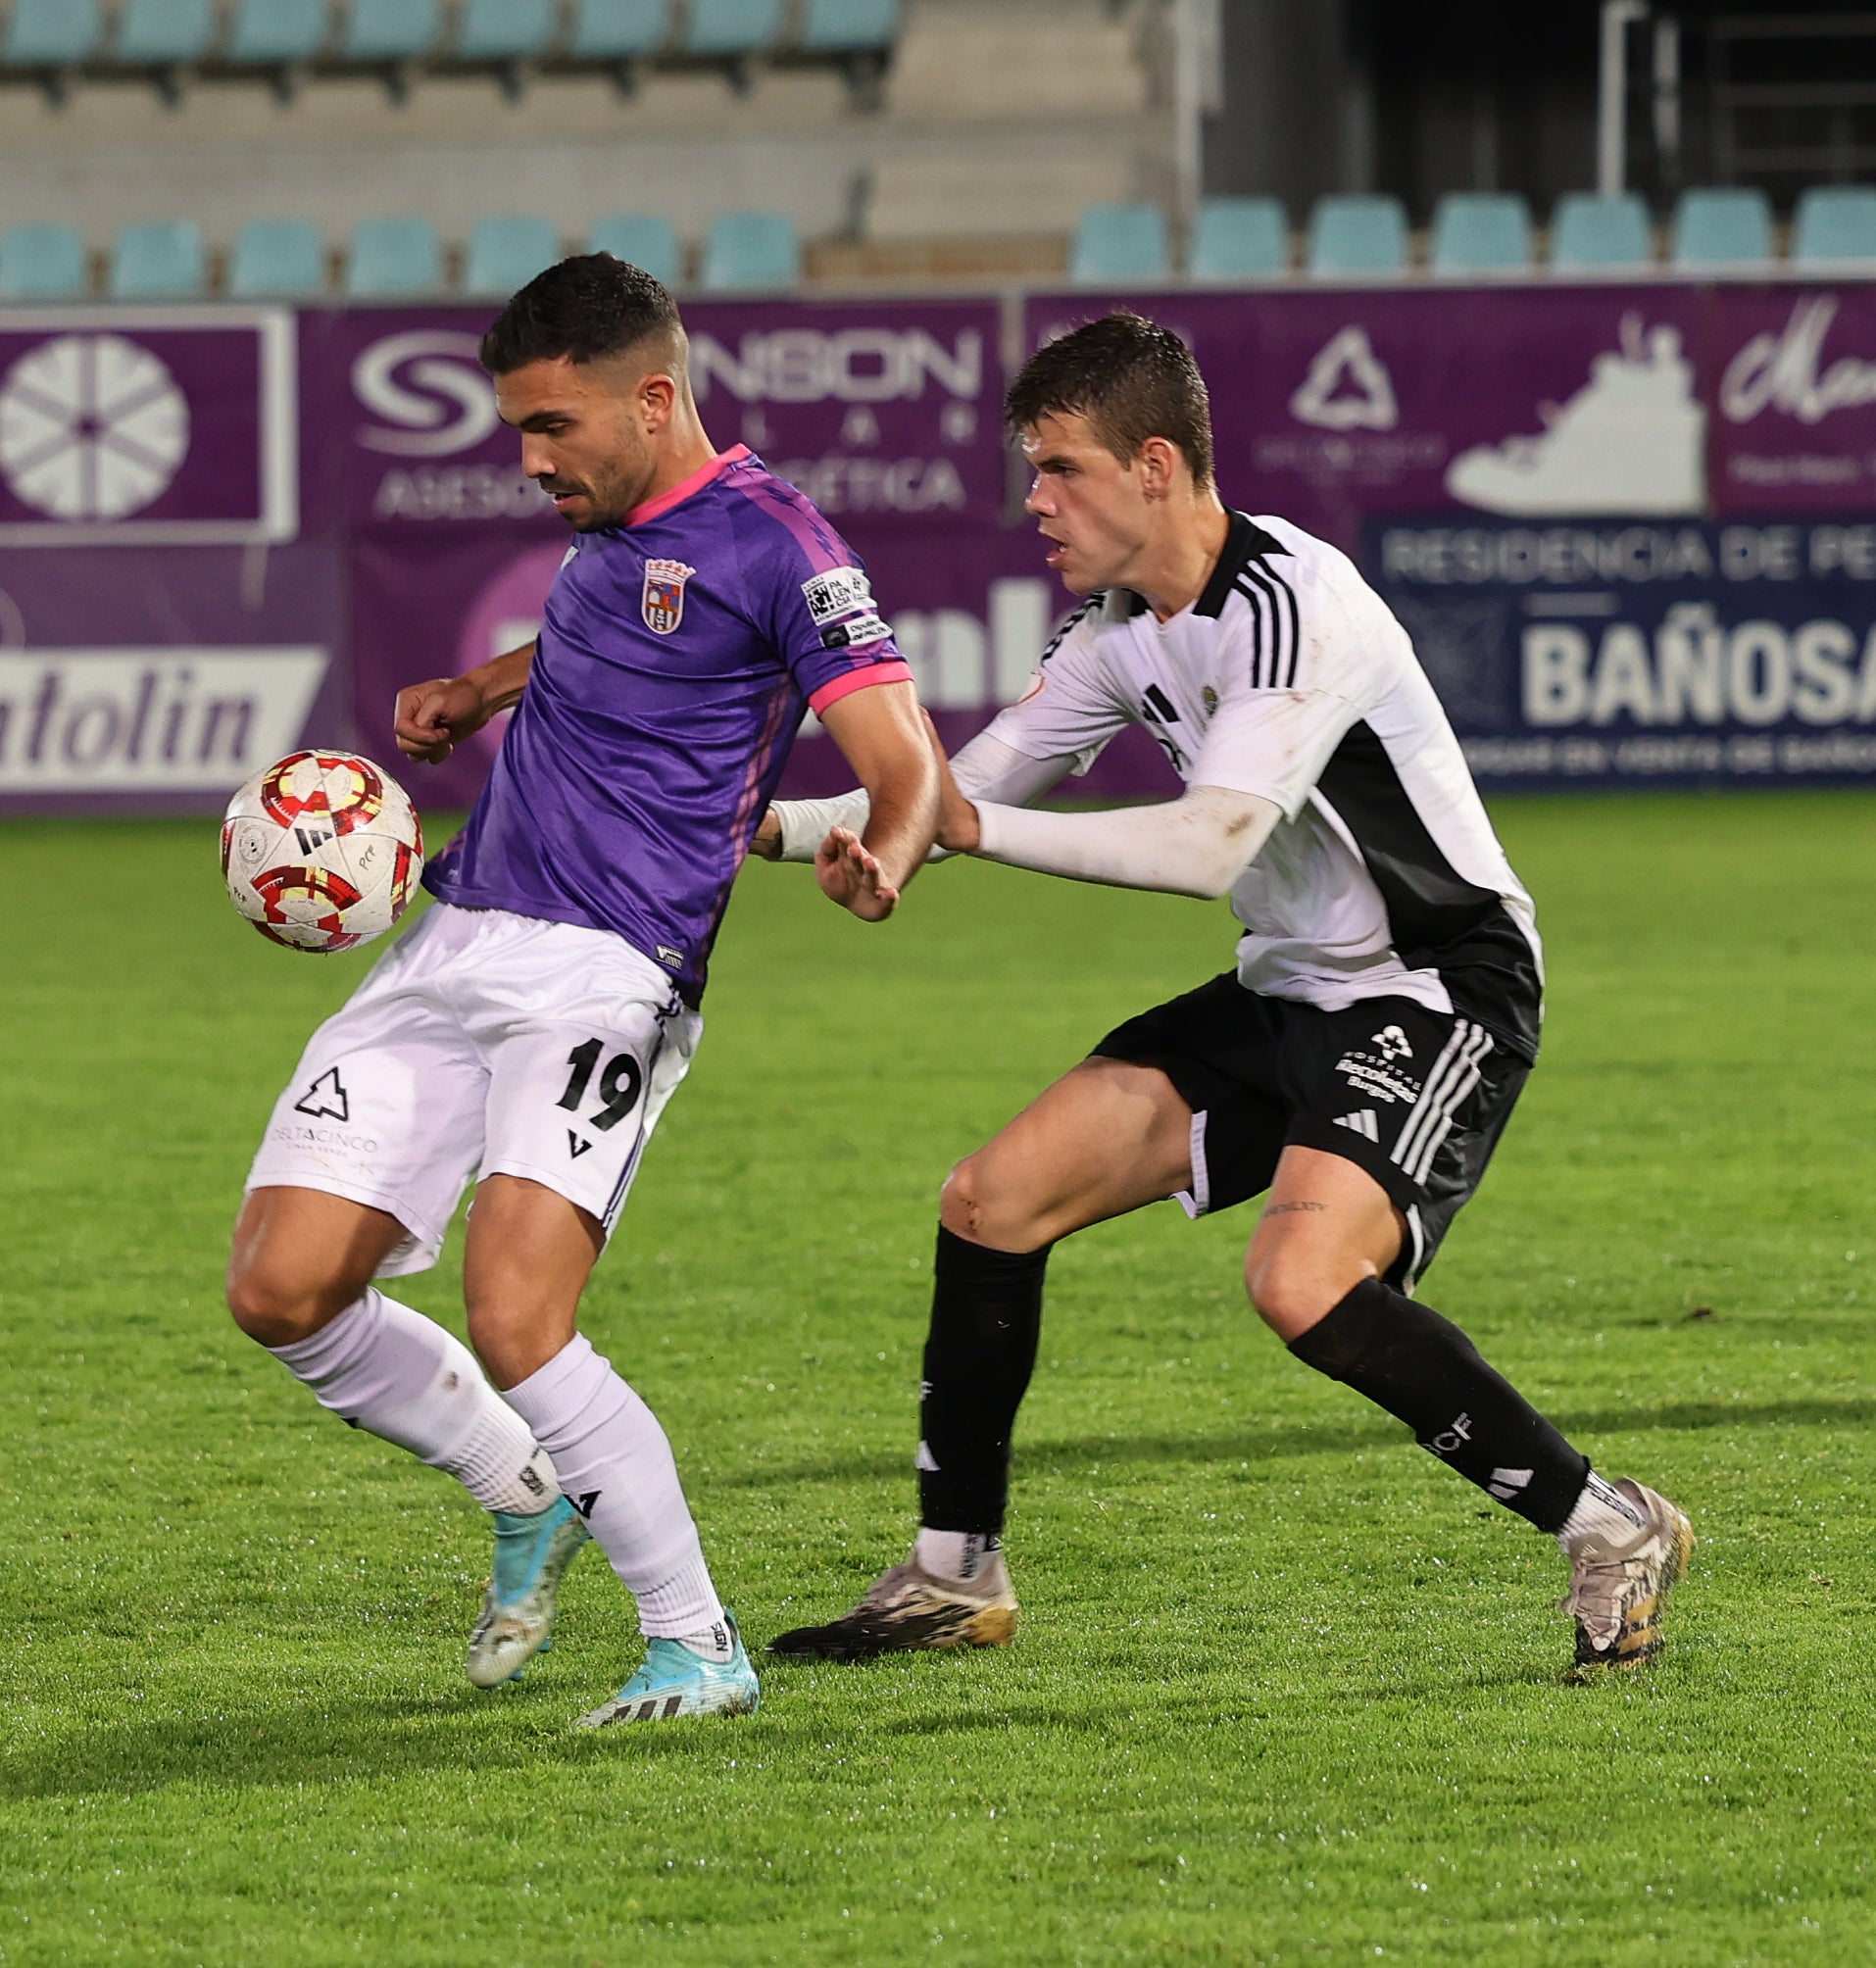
x=288, y=1134
x=837, y=592
x=662, y=604
x=1373, y=1080
x=1391, y=1043
x=851, y=634
x=326, y=1099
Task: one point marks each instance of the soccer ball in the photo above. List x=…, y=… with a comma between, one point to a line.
x=322, y=850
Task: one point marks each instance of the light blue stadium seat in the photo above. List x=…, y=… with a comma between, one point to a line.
x=276, y=258
x=1358, y=236
x=1834, y=222
x=160, y=262
x=505, y=254
x=505, y=30
x=1589, y=228
x=51, y=33
x=1480, y=233
x=42, y=262
x=393, y=257
x=643, y=239
x=1119, y=243
x=1725, y=225
x=616, y=30
x=154, y=32
x=390, y=31
x=752, y=250
x=732, y=26
x=847, y=26
x=1239, y=239
x=277, y=31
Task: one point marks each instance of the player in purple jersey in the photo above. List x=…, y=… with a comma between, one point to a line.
x=525, y=1034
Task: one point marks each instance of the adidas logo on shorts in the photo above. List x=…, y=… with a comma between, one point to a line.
x=1362, y=1123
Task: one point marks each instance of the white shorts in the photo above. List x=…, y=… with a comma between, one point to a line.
x=483, y=1043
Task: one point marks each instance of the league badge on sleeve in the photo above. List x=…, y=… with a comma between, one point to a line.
x=664, y=604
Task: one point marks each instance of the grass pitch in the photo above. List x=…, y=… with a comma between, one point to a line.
x=1287, y=1691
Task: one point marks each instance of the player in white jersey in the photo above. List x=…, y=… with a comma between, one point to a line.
x=1359, y=1064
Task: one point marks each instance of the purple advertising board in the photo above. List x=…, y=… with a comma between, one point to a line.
x=265, y=494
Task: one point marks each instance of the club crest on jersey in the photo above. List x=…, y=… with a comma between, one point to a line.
x=662, y=606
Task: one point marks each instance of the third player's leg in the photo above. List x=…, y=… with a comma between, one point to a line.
x=1107, y=1138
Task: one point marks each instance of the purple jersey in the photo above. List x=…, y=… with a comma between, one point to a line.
x=675, y=656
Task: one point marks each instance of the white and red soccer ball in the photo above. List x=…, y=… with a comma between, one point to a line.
x=322, y=850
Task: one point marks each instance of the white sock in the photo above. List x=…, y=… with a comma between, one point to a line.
x=964, y=1556
x=616, y=1464
x=1602, y=1512
x=400, y=1376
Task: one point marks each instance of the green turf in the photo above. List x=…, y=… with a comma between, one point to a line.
x=1287, y=1691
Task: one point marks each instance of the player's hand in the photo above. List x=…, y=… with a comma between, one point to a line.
x=958, y=829
x=432, y=718
x=768, y=844
x=849, y=875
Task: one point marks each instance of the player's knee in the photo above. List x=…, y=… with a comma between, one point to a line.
x=1289, y=1293
x=277, y=1309
x=976, y=1206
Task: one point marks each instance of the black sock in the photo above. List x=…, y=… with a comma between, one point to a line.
x=986, y=1316
x=1424, y=1372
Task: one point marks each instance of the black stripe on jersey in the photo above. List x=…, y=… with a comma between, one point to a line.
x=1267, y=593
x=1253, y=601
x=1244, y=541
x=1437, y=919
x=1068, y=622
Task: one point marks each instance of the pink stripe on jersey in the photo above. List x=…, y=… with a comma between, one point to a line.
x=858, y=679
x=678, y=493
x=780, y=501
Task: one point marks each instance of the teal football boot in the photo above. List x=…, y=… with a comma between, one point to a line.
x=516, y=1620
x=675, y=1680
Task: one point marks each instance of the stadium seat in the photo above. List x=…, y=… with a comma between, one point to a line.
x=392, y=257
x=276, y=258
x=1239, y=239
x=160, y=262
x=752, y=249
x=42, y=262
x=1728, y=225
x=1589, y=229
x=505, y=254
x=642, y=239
x=1362, y=237
x=619, y=30
x=390, y=31
x=849, y=26
x=505, y=30
x=1480, y=233
x=51, y=33
x=731, y=28
x=274, y=33
x=159, y=34
x=1834, y=222
x=1119, y=243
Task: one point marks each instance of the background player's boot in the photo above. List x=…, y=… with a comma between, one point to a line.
x=675, y=1680
x=907, y=1609
x=516, y=1620
x=1617, y=1586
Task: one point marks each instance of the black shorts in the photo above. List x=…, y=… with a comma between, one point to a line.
x=1417, y=1098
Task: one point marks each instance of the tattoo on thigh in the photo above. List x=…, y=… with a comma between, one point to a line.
x=1292, y=1209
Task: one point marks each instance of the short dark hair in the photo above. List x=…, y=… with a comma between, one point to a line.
x=586, y=308
x=1131, y=378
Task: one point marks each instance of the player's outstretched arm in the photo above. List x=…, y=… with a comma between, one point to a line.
x=882, y=735
x=432, y=718
x=1197, y=845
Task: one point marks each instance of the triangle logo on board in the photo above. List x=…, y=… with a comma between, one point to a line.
x=1348, y=386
